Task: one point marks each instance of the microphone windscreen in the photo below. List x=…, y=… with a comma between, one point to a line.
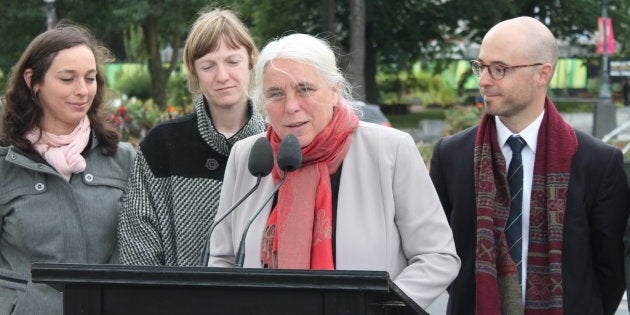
x=261, y=158
x=289, y=154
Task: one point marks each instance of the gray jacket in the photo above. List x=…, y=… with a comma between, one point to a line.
x=44, y=218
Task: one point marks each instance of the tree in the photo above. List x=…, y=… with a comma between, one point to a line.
x=21, y=22
x=572, y=20
x=329, y=21
x=356, y=67
x=395, y=31
x=163, y=23
x=399, y=33
x=157, y=23
x=103, y=24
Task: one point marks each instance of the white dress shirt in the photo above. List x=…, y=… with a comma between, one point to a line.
x=530, y=135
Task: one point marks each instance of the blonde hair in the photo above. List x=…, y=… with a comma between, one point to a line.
x=210, y=28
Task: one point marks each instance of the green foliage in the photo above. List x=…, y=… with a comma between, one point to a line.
x=261, y=17
x=135, y=84
x=415, y=87
x=426, y=151
x=134, y=44
x=461, y=117
x=133, y=80
x=135, y=118
x=178, y=95
x=137, y=112
x=592, y=85
x=411, y=120
x=574, y=107
x=161, y=23
x=398, y=32
x=568, y=19
x=144, y=112
x=2, y=82
x=21, y=22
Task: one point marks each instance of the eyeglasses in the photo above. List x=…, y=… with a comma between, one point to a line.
x=497, y=71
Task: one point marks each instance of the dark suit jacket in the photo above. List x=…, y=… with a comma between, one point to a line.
x=595, y=218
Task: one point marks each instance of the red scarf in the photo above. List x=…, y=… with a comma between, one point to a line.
x=498, y=291
x=298, y=234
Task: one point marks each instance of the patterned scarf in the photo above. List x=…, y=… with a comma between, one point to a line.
x=498, y=291
x=298, y=234
x=62, y=152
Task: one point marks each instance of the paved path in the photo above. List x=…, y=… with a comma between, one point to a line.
x=584, y=121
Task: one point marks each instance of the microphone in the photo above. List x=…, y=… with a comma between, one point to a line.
x=260, y=164
x=289, y=160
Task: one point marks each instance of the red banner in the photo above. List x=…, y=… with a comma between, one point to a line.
x=610, y=36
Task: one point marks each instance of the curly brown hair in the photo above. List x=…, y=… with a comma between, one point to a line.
x=23, y=112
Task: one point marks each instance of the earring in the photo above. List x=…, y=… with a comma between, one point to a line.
x=35, y=96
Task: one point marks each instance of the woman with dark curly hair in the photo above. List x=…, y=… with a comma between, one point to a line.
x=63, y=167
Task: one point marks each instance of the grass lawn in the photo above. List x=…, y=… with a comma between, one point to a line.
x=410, y=120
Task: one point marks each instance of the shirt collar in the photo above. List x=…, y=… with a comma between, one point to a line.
x=529, y=134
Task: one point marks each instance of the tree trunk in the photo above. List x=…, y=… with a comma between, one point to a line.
x=356, y=73
x=371, y=88
x=159, y=74
x=114, y=39
x=329, y=25
x=329, y=22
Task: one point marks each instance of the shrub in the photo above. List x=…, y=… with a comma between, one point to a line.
x=574, y=107
x=461, y=117
x=426, y=151
x=135, y=117
x=407, y=87
x=178, y=95
x=135, y=84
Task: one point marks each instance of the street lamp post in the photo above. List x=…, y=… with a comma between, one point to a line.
x=50, y=14
x=604, y=118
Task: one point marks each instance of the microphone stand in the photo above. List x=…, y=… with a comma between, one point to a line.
x=205, y=256
x=240, y=254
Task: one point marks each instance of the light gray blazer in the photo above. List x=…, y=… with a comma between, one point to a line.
x=389, y=217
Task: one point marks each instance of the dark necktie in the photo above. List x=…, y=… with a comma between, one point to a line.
x=514, y=226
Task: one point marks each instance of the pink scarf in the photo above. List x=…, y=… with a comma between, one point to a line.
x=62, y=152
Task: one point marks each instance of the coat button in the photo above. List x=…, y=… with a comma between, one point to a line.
x=13, y=157
x=39, y=186
x=89, y=177
x=212, y=164
x=40, y=166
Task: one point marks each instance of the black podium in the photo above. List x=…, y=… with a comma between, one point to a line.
x=116, y=289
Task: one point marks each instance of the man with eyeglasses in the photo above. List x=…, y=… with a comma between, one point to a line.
x=537, y=209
